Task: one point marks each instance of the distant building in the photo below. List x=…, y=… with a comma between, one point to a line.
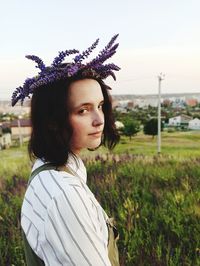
x=194, y=124
x=20, y=127
x=181, y=120
x=145, y=102
x=130, y=105
x=5, y=136
x=121, y=109
x=178, y=103
x=121, y=106
x=191, y=102
x=5, y=141
x=123, y=103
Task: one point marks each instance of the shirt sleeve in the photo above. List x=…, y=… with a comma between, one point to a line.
x=73, y=230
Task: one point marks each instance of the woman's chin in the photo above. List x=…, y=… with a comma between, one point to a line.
x=94, y=146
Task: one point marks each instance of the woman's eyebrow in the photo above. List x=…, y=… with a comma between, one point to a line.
x=89, y=103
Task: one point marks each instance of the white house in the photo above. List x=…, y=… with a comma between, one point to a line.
x=145, y=102
x=179, y=120
x=5, y=140
x=194, y=124
x=121, y=109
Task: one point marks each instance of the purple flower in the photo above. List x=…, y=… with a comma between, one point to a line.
x=86, y=53
x=58, y=70
x=111, y=41
x=39, y=61
x=106, y=53
x=60, y=58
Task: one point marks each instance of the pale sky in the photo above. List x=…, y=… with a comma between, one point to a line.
x=154, y=35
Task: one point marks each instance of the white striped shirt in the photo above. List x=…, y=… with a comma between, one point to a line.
x=63, y=222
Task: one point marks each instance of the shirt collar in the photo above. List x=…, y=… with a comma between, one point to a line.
x=75, y=164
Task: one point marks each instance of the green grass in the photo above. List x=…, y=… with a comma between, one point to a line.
x=14, y=160
x=156, y=203
x=155, y=199
x=180, y=144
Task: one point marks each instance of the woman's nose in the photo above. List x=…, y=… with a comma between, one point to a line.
x=98, y=119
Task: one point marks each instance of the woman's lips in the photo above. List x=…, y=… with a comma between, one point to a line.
x=96, y=134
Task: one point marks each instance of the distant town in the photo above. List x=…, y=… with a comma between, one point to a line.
x=179, y=111
x=176, y=99
x=122, y=102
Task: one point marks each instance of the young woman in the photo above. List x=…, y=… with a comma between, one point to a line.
x=62, y=222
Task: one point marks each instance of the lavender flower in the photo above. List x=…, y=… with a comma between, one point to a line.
x=102, y=68
x=39, y=61
x=86, y=53
x=106, y=53
x=58, y=70
x=73, y=69
x=17, y=95
x=109, y=45
x=60, y=58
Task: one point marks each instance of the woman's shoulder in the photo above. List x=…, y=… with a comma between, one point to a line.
x=52, y=180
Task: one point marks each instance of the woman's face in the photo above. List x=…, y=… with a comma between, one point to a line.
x=86, y=114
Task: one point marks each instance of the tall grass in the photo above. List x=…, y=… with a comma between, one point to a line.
x=154, y=199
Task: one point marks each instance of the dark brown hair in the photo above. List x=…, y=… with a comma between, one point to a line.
x=51, y=130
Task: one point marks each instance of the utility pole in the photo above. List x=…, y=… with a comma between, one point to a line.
x=160, y=78
x=20, y=131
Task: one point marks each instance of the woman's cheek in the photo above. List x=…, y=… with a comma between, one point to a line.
x=79, y=123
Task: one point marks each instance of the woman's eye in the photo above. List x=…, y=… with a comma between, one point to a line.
x=82, y=111
x=100, y=106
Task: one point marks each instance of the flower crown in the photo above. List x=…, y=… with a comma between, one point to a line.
x=59, y=70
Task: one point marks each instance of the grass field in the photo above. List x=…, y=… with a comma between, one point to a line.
x=155, y=199
x=179, y=144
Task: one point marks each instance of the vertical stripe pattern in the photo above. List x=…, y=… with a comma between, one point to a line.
x=62, y=219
